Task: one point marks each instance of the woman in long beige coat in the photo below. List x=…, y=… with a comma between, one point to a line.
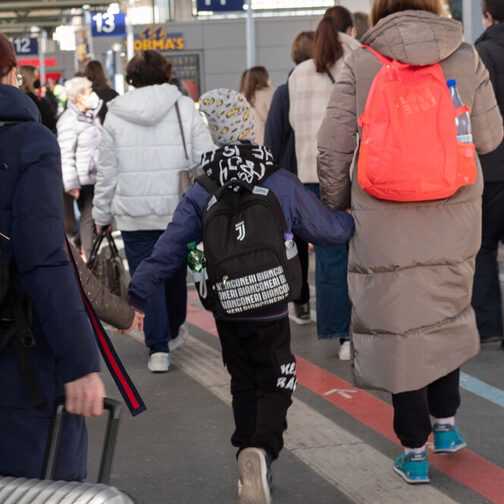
x=411, y=265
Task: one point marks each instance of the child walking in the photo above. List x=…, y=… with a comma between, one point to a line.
x=255, y=343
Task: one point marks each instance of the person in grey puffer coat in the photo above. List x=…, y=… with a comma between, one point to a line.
x=141, y=155
x=79, y=136
x=411, y=265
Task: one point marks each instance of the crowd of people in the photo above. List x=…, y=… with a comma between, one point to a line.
x=408, y=287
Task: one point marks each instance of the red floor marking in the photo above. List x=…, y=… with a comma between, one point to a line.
x=466, y=467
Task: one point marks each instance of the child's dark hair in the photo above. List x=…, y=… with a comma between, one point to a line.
x=495, y=8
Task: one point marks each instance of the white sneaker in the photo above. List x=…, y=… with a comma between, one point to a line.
x=159, y=362
x=179, y=340
x=254, y=488
x=344, y=351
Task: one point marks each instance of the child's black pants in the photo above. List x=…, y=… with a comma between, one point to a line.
x=412, y=410
x=262, y=368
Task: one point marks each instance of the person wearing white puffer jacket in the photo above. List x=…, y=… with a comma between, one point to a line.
x=79, y=135
x=141, y=156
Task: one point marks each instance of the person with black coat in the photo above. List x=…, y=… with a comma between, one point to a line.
x=31, y=86
x=279, y=137
x=64, y=359
x=487, y=299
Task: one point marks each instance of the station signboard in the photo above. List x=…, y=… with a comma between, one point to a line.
x=104, y=24
x=156, y=38
x=25, y=46
x=220, y=5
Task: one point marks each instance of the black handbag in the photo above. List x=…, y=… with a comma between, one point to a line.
x=106, y=265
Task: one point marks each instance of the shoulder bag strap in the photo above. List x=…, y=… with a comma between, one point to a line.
x=330, y=75
x=181, y=129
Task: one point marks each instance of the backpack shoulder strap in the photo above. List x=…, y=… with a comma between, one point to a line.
x=382, y=59
x=211, y=186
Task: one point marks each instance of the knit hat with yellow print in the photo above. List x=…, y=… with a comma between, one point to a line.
x=229, y=115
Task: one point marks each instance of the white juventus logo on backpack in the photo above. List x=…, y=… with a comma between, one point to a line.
x=240, y=227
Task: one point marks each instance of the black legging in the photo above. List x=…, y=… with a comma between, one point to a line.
x=441, y=399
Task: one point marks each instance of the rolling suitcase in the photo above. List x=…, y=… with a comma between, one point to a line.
x=48, y=491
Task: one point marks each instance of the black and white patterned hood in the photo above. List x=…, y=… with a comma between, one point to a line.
x=243, y=161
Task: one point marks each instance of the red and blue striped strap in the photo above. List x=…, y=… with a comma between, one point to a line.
x=116, y=368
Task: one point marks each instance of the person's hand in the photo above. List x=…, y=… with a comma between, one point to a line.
x=141, y=317
x=137, y=321
x=107, y=227
x=85, y=395
x=75, y=193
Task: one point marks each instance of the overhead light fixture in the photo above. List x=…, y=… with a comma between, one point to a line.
x=114, y=8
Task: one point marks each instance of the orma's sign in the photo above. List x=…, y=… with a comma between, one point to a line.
x=155, y=38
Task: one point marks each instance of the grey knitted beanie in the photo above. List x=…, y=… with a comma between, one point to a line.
x=230, y=117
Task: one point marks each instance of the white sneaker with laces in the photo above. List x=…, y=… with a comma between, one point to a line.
x=344, y=351
x=159, y=362
x=179, y=340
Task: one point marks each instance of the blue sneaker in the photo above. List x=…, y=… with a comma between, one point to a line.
x=447, y=438
x=413, y=467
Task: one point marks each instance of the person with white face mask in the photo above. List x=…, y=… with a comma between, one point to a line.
x=79, y=136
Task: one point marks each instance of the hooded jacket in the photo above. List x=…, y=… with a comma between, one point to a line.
x=141, y=155
x=79, y=136
x=31, y=214
x=278, y=133
x=304, y=214
x=490, y=47
x=411, y=265
x=309, y=92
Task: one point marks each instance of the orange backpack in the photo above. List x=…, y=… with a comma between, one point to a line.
x=409, y=149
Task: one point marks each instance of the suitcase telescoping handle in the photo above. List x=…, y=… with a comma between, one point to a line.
x=114, y=409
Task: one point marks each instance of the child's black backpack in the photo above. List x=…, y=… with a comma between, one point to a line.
x=247, y=261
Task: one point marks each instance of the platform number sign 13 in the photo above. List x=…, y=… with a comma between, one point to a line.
x=104, y=24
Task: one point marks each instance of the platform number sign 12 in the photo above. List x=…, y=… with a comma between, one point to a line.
x=25, y=45
x=104, y=24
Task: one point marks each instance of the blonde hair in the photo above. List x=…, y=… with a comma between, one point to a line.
x=383, y=8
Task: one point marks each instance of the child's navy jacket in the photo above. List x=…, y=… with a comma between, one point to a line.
x=305, y=215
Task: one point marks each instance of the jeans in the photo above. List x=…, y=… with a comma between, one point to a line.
x=86, y=223
x=412, y=410
x=486, y=298
x=333, y=304
x=166, y=310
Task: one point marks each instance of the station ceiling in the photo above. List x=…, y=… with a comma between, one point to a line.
x=18, y=16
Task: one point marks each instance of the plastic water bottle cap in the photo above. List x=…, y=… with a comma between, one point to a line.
x=288, y=236
x=192, y=245
x=451, y=82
